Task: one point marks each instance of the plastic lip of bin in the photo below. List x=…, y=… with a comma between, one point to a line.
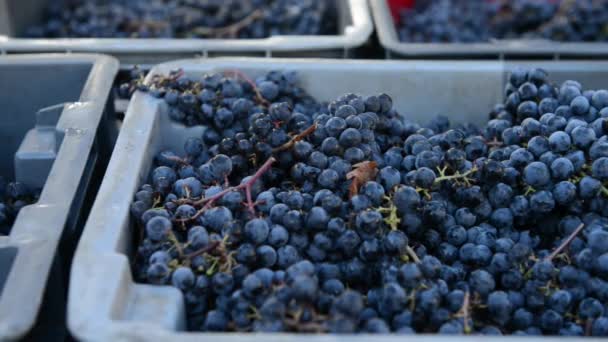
x=354, y=24
x=495, y=49
x=29, y=270
x=105, y=304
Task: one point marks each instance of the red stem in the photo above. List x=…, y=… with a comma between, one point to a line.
x=250, y=204
x=296, y=138
x=178, y=160
x=179, y=74
x=233, y=29
x=204, y=250
x=566, y=242
x=588, y=326
x=208, y=202
x=241, y=75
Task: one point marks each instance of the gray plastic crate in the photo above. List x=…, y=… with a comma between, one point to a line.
x=105, y=304
x=354, y=29
x=496, y=49
x=55, y=113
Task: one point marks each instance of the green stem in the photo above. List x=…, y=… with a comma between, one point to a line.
x=456, y=176
x=175, y=243
x=529, y=190
x=211, y=269
x=410, y=251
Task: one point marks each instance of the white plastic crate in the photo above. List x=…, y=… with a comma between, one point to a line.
x=354, y=29
x=105, y=304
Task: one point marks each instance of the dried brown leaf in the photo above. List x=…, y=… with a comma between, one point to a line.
x=362, y=172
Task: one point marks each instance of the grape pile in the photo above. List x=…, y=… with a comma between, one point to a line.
x=480, y=20
x=290, y=215
x=14, y=196
x=185, y=19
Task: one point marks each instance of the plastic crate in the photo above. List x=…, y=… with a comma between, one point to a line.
x=495, y=49
x=57, y=135
x=105, y=303
x=354, y=28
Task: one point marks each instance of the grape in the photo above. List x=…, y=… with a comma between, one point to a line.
x=582, y=137
x=256, y=231
x=536, y=174
x=600, y=168
x=579, y=105
x=600, y=327
x=182, y=278
x=222, y=283
x=215, y=321
x=158, y=228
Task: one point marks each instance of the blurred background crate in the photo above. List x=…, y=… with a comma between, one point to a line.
x=386, y=16
x=354, y=29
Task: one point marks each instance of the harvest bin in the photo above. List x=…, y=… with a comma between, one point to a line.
x=354, y=28
x=496, y=49
x=105, y=304
x=56, y=134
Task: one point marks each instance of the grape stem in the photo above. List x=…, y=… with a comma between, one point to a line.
x=410, y=251
x=231, y=30
x=494, y=143
x=177, y=75
x=314, y=326
x=392, y=220
x=255, y=314
x=565, y=243
x=588, y=326
x=209, y=201
x=529, y=190
x=457, y=176
x=464, y=312
x=178, y=160
x=175, y=243
x=240, y=75
x=296, y=138
x=308, y=327
x=160, y=81
x=210, y=247
x=412, y=300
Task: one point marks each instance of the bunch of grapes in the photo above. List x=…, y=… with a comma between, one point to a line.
x=585, y=20
x=480, y=20
x=13, y=197
x=295, y=216
x=185, y=19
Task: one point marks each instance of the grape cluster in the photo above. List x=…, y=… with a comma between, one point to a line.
x=445, y=21
x=579, y=21
x=185, y=19
x=345, y=218
x=222, y=102
x=479, y=20
x=15, y=195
